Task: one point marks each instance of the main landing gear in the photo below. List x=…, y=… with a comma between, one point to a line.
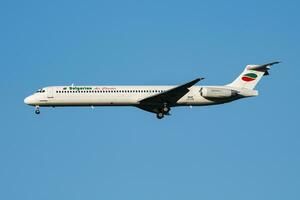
x=164, y=111
x=37, y=110
x=160, y=115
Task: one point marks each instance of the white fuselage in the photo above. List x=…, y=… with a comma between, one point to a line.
x=154, y=99
x=122, y=95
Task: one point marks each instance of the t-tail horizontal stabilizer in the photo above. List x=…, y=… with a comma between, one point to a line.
x=263, y=68
x=252, y=74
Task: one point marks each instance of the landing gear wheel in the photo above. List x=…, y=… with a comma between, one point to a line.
x=37, y=110
x=160, y=115
x=166, y=109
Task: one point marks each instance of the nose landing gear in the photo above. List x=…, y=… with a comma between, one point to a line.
x=37, y=110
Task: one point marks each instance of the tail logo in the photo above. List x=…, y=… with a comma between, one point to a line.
x=249, y=77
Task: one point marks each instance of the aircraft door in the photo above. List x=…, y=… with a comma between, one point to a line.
x=50, y=93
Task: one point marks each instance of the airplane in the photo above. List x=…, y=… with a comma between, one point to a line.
x=154, y=99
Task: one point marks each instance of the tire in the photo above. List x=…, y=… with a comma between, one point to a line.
x=160, y=115
x=166, y=109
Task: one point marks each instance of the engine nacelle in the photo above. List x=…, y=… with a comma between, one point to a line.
x=217, y=93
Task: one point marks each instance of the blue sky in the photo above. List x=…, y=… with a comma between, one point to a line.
x=248, y=149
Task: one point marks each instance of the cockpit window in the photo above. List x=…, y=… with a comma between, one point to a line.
x=40, y=91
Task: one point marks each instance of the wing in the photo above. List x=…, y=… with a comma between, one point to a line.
x=167, y=98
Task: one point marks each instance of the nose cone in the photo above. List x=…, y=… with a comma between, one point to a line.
x=29, y=100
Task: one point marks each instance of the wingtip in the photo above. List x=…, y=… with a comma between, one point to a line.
x=198, y=79
x=195, y=81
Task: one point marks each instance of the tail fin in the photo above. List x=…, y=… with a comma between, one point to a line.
x=251, y=76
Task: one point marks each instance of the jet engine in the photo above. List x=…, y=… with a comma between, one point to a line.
x=218, y=93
